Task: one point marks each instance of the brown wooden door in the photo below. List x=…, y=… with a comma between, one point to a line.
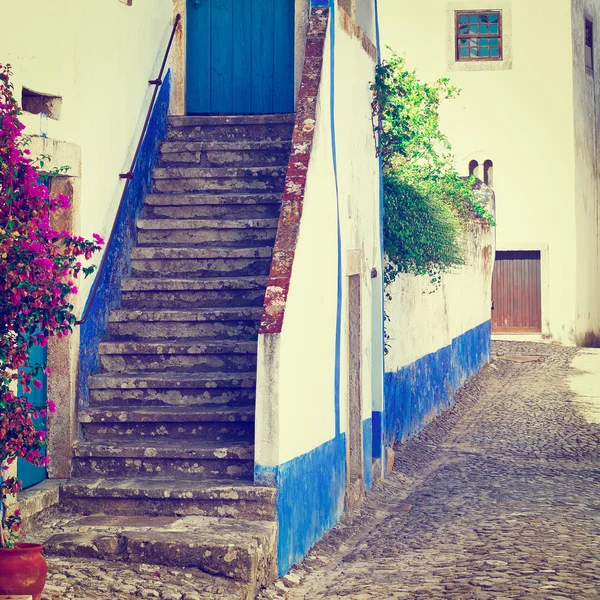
x=516, y=292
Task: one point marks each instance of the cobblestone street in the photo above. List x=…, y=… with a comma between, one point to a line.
x=498, y=498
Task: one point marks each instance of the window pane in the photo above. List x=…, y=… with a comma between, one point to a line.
x=478, y=35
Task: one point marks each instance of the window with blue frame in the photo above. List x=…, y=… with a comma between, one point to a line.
x=478, y=35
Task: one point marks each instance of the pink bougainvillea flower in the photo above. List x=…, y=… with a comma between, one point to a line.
x=36, y=262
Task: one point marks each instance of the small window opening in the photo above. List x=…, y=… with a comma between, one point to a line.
x=488, y=173
x=37, y=104
x=127, y=2
x=589, y=44
x=479, y=35
x=474, y=169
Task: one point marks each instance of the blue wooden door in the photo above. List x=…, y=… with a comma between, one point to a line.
x=240, y=56
x=28, y=473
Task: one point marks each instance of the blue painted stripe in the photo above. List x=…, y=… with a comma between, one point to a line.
x=310, y=498
x=379, y=417
x=367, y=436
x=338, y=317
x=321, y=2
x=377, y=434
x=108, y=294
x=418, y=392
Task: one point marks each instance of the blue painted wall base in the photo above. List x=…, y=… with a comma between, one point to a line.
x=367, y=437
x=310, y=499
x=117, y=265
x=418, y=392
x=377, y=434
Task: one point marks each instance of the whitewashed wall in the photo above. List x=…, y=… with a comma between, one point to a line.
x=98, y=55
x=520, y=115
x=423, y=319
x=586, y=89
x=297, y=445
x=306, y=347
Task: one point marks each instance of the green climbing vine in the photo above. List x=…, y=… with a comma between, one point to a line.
x=427, y=204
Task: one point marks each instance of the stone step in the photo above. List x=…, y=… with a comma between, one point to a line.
x=203, y=423
x=170, y=497
x=172, y=200
x=166, y=389
x=252, y=119
x=184, y=459
x=200, y=324
x=227, y=179
x=167, y=261
x=225, y=154
x=213, y=206
x=206, y=232
x=133, y=357
x=193, y=293
x=235, y=128
x=238, y=549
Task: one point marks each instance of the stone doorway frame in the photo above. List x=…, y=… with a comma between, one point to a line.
x=355, y=478
x=63, y=354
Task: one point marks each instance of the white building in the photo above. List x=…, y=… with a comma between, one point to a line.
x=527, y=122
x=278, y=339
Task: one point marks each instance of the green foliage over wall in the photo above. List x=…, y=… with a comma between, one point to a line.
x=426, y=203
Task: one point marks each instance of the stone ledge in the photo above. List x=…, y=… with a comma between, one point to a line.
x=37, y=499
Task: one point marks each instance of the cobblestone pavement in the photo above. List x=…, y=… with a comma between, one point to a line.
x=88, y=579
x=498, y=498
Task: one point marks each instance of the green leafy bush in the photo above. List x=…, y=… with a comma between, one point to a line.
x=427, y=204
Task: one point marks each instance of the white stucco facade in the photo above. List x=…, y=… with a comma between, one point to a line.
x=534, y=116
x=98, y=57
x=296, y=368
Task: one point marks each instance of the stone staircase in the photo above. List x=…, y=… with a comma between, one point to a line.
x=164, y=469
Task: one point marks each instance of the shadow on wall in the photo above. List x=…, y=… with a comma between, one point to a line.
x=591, y=339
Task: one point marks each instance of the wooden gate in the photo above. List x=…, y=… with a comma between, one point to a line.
x=240, y=56
x=516, y=292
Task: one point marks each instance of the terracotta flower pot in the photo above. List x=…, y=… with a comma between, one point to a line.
x=23, y=570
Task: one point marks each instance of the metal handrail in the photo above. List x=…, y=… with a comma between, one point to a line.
x=129, y=175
